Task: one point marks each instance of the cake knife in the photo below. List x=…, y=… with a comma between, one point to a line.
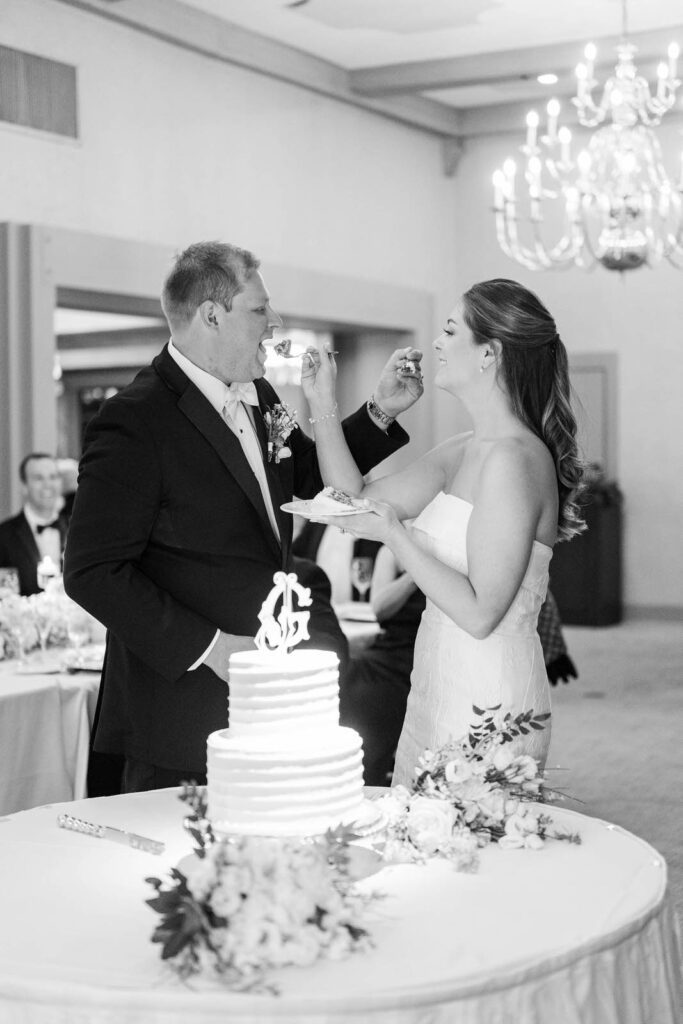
x=117, y=835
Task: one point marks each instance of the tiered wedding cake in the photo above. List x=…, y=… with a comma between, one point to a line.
x=285, y=766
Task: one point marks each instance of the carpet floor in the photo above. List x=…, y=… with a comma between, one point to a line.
x=617, y=732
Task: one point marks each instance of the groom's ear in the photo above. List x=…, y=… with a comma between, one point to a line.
x=208, y=314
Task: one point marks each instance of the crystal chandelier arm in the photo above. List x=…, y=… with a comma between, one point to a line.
x=506, y=231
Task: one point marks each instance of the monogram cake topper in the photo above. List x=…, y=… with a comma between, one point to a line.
x=285, y=631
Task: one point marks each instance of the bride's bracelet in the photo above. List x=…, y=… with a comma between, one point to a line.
x=326, y=416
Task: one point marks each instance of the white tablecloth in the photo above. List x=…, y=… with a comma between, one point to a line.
x=45, y=721
x=568, y=935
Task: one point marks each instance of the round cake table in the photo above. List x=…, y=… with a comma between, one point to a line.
x=566, y=935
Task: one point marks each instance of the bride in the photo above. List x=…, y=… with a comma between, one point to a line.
x=487, y=506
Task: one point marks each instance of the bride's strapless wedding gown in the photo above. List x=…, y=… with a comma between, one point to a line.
x=452, y=670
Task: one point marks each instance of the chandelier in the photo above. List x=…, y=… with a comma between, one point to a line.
x=615, y=203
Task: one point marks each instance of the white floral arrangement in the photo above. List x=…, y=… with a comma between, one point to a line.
x=280, y=422
x=471, y=792
x=41, y=620
x=243, y=906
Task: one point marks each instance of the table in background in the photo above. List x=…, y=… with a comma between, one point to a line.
x=566, y=935
x=358, y=623
x=45, y=723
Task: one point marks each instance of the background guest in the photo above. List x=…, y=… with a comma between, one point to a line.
x=39, y=530
x=375, y=690
x=334, y=551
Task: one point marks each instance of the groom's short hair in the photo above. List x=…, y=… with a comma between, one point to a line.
x=205, y=270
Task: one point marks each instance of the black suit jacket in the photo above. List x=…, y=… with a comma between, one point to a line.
x=169, y=540
x=18, y=550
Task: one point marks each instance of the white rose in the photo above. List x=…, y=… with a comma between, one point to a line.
x=502, y=758
x=397, y=852
x=526, y=766
x=514, y=826
x=430, y=823
x=522, y=824
x=340, y=945
x=533, y=842
x=305, y=949
x=225, y=899
x=201, y=876
x=394, y=805
x=493, y=805
x=426, y=762
x=458, y=771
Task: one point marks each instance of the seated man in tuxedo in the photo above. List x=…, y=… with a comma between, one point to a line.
x=177, y=528
x=39, y=530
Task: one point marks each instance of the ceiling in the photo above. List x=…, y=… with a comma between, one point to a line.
x=368, y=34
x=452, y=67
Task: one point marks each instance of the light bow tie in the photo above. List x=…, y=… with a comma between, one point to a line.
x=239, y=392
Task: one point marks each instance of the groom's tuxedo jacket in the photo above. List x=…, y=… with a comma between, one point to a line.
x=170, y=540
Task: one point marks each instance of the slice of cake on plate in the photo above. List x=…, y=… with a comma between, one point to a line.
x=331, y=501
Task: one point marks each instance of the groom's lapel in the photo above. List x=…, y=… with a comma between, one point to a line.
x=210, y=424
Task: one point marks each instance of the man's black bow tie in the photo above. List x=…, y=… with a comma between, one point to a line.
x=54, y=525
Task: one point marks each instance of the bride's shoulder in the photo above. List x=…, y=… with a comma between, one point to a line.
x=520, y=458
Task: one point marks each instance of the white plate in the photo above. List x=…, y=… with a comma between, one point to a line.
x=303, y=508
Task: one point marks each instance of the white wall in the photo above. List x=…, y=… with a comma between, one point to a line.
x=639, y=316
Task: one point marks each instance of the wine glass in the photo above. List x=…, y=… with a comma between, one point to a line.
x=361, y=575
x=78, y=630
x=42, y=614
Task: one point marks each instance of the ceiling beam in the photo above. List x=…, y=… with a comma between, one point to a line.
x=510, y=118
x=194, y=30
x=487, y=68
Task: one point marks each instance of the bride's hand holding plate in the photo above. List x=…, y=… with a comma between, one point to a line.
x=376, y=524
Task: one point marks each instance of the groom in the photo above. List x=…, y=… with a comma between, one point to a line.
x=177, y=530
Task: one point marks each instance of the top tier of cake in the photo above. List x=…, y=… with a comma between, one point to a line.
x=276, y=694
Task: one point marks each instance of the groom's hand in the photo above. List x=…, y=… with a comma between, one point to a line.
x=227, y=643
x=400, y=382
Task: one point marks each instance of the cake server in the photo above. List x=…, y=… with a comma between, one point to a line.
x=116, y=835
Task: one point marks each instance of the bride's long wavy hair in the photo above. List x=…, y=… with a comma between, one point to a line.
x=535, y=371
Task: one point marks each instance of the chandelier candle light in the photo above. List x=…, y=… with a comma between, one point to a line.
x=619, y=206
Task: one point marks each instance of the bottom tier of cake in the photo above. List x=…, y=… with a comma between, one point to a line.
x=258, y=788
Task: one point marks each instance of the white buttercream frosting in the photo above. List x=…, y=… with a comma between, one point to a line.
x=284, y=766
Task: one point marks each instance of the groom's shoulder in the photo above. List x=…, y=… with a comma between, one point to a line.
x=147, y=386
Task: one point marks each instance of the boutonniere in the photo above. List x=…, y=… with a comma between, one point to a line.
x=280, y=422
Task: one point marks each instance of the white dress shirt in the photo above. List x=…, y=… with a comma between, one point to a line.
x=242, y=426
x=49, y=541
